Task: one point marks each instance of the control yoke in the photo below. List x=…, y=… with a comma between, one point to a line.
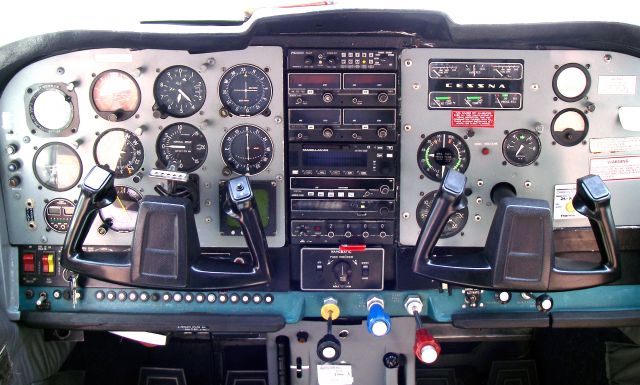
x=518, y=254
x=165, y=251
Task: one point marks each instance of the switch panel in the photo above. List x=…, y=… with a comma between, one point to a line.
x=342, y=269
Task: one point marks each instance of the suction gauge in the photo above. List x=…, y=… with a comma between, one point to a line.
x=245, y=90
x=569, y=127
x=455, y=223
x=115, y=95
x=442, y=150
x=571, y=82
x=120, y=150
x=521, y=147
x=179, y=91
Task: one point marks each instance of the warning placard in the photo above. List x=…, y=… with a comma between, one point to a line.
x=472, y=119
x=616, y=168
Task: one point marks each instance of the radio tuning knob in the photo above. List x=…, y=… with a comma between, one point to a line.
x=308, y=60
x=327, y=132
x=382, y=133
x=383, y=97
x=327, y=97
x=332, y=59
x=384, y=189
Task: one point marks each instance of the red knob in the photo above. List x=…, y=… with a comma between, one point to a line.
x=426, y=348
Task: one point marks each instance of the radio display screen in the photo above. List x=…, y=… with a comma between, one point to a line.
x=338, y=159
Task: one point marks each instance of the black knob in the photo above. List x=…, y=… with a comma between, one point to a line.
x=383, y=97
x=327, y=132
x=302, y=336
x=332, y=59
x=391, y=360
x=384, y=189
x=13, y=166
x=342, y=271
x=382, y=133
x=309, y=60
x=544, y=303
x=329, y=348
x=502, y=190
x=327, y=97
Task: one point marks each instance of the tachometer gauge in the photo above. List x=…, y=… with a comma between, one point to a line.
x=115, y=95
x=179, y=91
x=245, y=90
x=521, y=147
x=247, y=149
x=455, y=223
x=57, y=166
x=182, y=144
x=122, y=214
x=58, y=213
x=120, y=150
x=442, y=150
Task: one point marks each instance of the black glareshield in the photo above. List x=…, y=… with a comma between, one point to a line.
x=165, y=251
x=518, y=254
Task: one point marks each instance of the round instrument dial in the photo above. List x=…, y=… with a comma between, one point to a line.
x=571, y=82
x=58, y=213
x=455, y=223
x=57, y=166
x=569, y=127
x=442, y=150
x=182, y=144
x=115, y=95
x=51, y=109
x=247, y=149
x=521, y=147
x=245, y=90
x=179, y=91
x=121, y=216
x=120, y=150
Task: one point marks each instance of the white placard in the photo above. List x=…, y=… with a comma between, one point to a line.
x=617, y=85
x=630, y=144
x=616, y=168
x=334, y=375
x=562, y=202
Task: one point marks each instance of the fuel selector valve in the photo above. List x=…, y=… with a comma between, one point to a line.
x=425, y=347
x=378, y=322
x=329, y=347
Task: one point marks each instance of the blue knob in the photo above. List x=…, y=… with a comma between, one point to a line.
x=378, y=322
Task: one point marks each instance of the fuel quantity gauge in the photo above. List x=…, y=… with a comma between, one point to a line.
x=521, y=147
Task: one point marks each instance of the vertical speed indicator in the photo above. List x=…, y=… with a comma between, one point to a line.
x=442, y=150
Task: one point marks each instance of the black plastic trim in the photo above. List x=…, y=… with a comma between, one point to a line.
x=595, y=319
x=187, y=322
x=500, y=320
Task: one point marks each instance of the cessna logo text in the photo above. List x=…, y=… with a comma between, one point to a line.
x=475, y=86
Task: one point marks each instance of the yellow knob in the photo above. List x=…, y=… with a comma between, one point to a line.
x=330, y=310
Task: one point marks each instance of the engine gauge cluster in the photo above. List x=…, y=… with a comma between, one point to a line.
x=442, y=150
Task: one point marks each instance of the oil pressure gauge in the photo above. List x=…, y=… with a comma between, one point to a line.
x=521, y=147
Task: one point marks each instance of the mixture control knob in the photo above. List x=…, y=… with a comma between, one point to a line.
x=426, y=348
x=378, y=322
x=342, y=271
x=544, y=303
x=327, y=132
x=329, y=348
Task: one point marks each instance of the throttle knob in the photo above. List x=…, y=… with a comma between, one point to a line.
x=426, y=348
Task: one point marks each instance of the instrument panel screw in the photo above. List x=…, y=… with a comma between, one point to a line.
x=527, y=184
x=44, y=239
x=607, y=58
x=407, y=127
x=279, y=178
x=477, y=218
x=26, y=139
x=208, y=220
x=278, y=119
x=60, y=70
x=406, y=215
x=416, y=86
x=408, y=62
x=207, y=203
x=535, y=87
x=207, y=185
x=480, y=183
